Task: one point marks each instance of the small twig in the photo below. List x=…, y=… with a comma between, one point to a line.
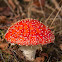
x=14, y=55
x=2, y=56
x=36, y=10
x=49, y=59
x=19, y=7
x=46, y=5
x=59, y=32
x=56, y=16
x=29, y=8
x=12, y=4
x=60, y=24
x=9, y=6
x=42, y=8
x=56, y=4
x=40, y=4
x=51, y=15
x=52, y=27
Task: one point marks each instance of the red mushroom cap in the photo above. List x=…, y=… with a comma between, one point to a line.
x=29, y=32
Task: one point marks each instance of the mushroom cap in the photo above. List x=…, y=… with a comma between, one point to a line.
x=29, y=32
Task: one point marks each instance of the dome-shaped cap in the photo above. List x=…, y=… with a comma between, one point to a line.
x=29, y=32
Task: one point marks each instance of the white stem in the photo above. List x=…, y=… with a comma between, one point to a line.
x=29, y=51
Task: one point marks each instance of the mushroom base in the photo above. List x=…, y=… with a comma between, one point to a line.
x=29, y=51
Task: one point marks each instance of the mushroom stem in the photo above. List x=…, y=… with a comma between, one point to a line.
x=29, y=51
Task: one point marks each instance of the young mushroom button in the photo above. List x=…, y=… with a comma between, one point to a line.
x=29, y=32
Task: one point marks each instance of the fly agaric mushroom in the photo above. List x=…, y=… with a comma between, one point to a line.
x=27, y=33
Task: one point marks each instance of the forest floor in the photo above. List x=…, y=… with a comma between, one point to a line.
x=47, y=13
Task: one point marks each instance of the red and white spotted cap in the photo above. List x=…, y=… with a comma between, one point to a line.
x=29, y=32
